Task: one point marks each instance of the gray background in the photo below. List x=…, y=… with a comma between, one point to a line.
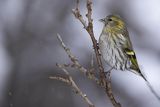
x=29, y=51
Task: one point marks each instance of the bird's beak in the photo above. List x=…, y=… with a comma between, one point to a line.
x=102, y=20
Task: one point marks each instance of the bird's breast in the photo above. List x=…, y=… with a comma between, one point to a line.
x=111, y=51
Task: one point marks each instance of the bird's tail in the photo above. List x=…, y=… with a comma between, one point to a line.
x=142, y=75
x=137, y=71
x=148, y=84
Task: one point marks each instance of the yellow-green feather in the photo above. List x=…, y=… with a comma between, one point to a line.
x=119, y=25
x=132, y=57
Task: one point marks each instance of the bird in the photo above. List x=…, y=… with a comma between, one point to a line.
x=115, y=45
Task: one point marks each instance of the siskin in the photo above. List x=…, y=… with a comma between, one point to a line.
x=116, y=47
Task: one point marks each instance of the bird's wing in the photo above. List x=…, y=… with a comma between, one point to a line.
x=128, y=50
x=131, y=55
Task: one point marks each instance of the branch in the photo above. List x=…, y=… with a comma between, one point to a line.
x=71, y=83
x=65, y=80
x=76, y=63
x=78, y=15
x=89, y=29
x=92, y=60
x=106, y=83
x=89, y=14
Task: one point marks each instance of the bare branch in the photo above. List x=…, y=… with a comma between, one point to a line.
x=89, y=29
x=76, y=63
x=71, y=83
x=89, y=8
x=92, y=61
x=78, y=15
x=65, y=80
x=108, y=89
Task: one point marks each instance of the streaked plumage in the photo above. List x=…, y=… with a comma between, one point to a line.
x=115, y=45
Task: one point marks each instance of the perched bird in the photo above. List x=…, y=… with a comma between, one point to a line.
x=115, y=45
x=116, y=48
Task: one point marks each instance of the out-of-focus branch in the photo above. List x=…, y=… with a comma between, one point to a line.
x=78, y=15
x=65, y=80
x=76, y=63
x=106, y=83
x=71, y=83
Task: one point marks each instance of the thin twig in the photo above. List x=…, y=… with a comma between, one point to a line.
x=71, y=83
x=94, y=41
x=89, y=29
x=89, y=14
x=70, y=55
x=92, y=61
x=76, y=63
x=65, y=80
x=78, y=15
x=92, y=69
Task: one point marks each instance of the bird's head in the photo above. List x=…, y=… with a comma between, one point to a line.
x=113, y=23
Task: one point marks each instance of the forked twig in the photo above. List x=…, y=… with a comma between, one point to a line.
x=76, y=63
x=78, y=15
x=71, y=83
x=104, y=81
x=89, y=28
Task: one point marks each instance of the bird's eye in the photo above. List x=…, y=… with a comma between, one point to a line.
x=109, y=19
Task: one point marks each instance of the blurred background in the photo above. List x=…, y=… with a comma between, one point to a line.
x=29, y=51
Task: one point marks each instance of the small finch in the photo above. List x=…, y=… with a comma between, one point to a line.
x=116, y=47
